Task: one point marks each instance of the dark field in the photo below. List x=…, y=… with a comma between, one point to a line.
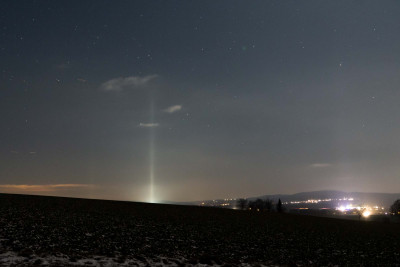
x=64, y=231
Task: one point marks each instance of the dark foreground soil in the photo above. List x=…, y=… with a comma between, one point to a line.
x=64, y=231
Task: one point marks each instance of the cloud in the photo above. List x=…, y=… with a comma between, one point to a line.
x=121, y=83
x=320, y=165
x=40, y=188
x=147, y=125
x=173, y=109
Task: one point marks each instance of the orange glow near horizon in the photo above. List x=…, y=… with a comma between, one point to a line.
x=40, y=188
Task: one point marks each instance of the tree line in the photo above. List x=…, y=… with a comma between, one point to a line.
x=259, y=205
x=395, y=208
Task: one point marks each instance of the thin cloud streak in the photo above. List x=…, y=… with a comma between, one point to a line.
x=148, y=125
x=173, y=109
x=131, y=82
x=40, y=188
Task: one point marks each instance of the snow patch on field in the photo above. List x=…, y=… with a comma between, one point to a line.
x=11, y=259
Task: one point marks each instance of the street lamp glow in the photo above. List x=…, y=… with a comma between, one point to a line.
x=366, y=213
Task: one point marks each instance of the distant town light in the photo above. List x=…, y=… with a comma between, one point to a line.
x=342, y=208
x=366, y=213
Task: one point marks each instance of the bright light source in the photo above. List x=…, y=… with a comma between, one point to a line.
x=366, y=213
x=349, y=207
x=342, y=208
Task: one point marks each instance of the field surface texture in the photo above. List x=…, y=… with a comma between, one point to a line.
x=67, y=232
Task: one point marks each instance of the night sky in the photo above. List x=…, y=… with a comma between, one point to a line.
x=198, y=100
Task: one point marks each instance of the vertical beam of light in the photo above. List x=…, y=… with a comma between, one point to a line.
x=151, y=154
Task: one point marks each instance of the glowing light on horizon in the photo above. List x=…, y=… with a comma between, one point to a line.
x=151, y=154
x=366, y=213
x=341, y=208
